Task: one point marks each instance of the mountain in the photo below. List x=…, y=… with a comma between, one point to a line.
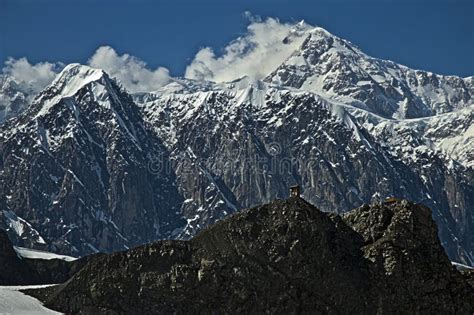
x=74, y=170
x=90, y=167
x=391, y=96
x=14, y=97
x=333, y=67
x=250, y=141
x=285, y=256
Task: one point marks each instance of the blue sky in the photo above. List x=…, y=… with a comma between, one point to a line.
x=435, y=35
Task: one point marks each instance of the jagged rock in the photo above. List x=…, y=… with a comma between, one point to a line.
x=282, y=257
x=407, y=260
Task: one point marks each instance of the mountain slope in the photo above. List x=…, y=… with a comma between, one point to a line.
x=284, y=256
x=74, y=166
x=29, y=269
x=245, y=142
x=13, y=301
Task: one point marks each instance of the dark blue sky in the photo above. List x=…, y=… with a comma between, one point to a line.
x=435, y=35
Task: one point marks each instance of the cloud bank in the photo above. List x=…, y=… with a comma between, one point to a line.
x=31, y=77
x=132, y=72
x=266, y=45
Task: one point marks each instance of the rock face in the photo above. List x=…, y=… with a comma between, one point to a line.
x=282, y=257
x=17, y=270
x=89, y=167
x=407, y=260
x=74, y=170
x=260, y=140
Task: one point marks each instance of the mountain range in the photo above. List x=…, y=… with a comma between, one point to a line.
x=86, y=166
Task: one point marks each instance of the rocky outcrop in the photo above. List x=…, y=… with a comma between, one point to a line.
x=407, y=260
x=14, y=270
x=282, y=257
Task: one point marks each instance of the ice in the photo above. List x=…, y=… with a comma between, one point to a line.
x=362, y=83
x=12, y=301
x=297, y=60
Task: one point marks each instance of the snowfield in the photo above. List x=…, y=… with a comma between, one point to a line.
x=39, y=254
x=12, y=301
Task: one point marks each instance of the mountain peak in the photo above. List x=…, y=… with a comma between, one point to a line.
x=77, y=67
x=74, y=76
x=68, y=82
x=337, y=69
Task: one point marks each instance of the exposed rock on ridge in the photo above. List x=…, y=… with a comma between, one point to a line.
x=282, y=257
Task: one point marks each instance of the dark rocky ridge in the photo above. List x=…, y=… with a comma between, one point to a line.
x=15, y=270
x=282, y=257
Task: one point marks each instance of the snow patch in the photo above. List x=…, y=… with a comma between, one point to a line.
x=12, y=301
x=39, y=254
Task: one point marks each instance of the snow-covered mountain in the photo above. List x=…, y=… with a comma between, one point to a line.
x=333, y=67
x=248, y=141
x=89, y=166
x=14, y=97
x=74, y=170
x=390, y=95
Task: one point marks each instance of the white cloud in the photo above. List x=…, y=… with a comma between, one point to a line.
x=266, y=45
x=261, y=50
x=131, y=71
x=34, y=77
